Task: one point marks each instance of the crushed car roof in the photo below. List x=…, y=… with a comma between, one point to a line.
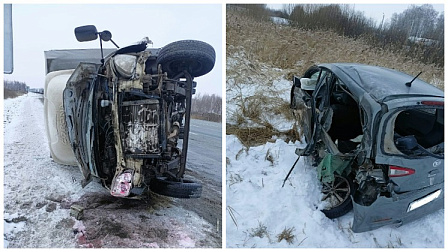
x=381, y=83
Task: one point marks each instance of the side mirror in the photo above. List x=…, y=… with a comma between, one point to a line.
x=296, y=81
x=86, y=33
x=106, y=35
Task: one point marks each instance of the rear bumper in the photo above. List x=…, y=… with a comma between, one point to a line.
x=396, y=209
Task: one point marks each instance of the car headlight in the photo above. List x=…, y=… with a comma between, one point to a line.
x=125, y=64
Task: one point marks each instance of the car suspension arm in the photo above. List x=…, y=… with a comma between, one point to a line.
x=188, y=94
x=289, y=173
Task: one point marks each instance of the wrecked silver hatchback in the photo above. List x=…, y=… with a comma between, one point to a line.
x=126, y=112
x=376, y=136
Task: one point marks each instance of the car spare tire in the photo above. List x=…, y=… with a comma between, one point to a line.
x=197, y=57
x=185, y=189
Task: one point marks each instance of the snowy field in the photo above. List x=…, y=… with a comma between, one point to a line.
x=262, y=214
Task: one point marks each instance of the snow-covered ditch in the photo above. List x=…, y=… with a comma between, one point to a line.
x=260, y=213
x=253, y=87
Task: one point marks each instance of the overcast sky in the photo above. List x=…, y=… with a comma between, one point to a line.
x=41, y=27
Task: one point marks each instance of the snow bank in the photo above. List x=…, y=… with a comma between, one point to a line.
x=255, y=87
x=280, y=21
x=259, y=209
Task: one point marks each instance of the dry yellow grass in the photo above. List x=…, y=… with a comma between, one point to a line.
x=260, y=53
x=296, y=49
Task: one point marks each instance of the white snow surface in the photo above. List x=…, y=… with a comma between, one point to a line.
x=280, y=21
x=253, y=79
x=26, y=155
x=255, y=198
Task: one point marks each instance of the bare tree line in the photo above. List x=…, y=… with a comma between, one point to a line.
x=13, y=89
x=15, y=86
x=207, y=107
x=422, y=23
x=418, y=32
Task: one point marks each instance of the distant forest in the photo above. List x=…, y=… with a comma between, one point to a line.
x=15, y=86
x=418, y=31
x=13, y=89
x=207, y=107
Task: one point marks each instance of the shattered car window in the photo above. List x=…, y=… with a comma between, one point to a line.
x=418, y=132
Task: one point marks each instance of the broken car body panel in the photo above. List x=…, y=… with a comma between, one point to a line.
x=396, y=210
x=367, y=113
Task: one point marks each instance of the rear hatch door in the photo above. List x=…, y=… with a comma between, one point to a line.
x=411, y=142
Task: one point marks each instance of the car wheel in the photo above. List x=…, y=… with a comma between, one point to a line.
x=337, y=195
x=197, y=57
x=175, y=189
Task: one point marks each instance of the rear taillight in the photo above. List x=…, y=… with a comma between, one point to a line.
x=433, y=103
x=397, y=171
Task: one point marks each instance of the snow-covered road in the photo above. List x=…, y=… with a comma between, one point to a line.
x=38, y=194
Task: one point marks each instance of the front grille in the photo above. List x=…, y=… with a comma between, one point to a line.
x=140, y=123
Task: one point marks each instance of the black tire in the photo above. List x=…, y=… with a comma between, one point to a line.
x=197, y=57
x=187, y=189
x=338, y=187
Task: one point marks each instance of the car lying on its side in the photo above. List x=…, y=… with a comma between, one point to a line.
x=376, y=136
x=120, y=117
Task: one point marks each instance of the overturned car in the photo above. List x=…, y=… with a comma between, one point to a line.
x=376, y=137
x=120, y=117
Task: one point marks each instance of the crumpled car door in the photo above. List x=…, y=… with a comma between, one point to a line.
x=78, y=105
x=321, y=112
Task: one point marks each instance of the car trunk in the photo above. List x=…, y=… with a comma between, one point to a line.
x=411, y=143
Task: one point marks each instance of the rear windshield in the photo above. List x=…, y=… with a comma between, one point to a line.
x=419, y=132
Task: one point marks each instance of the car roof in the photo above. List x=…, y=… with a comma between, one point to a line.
x=381, y=83
x=56, y=60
